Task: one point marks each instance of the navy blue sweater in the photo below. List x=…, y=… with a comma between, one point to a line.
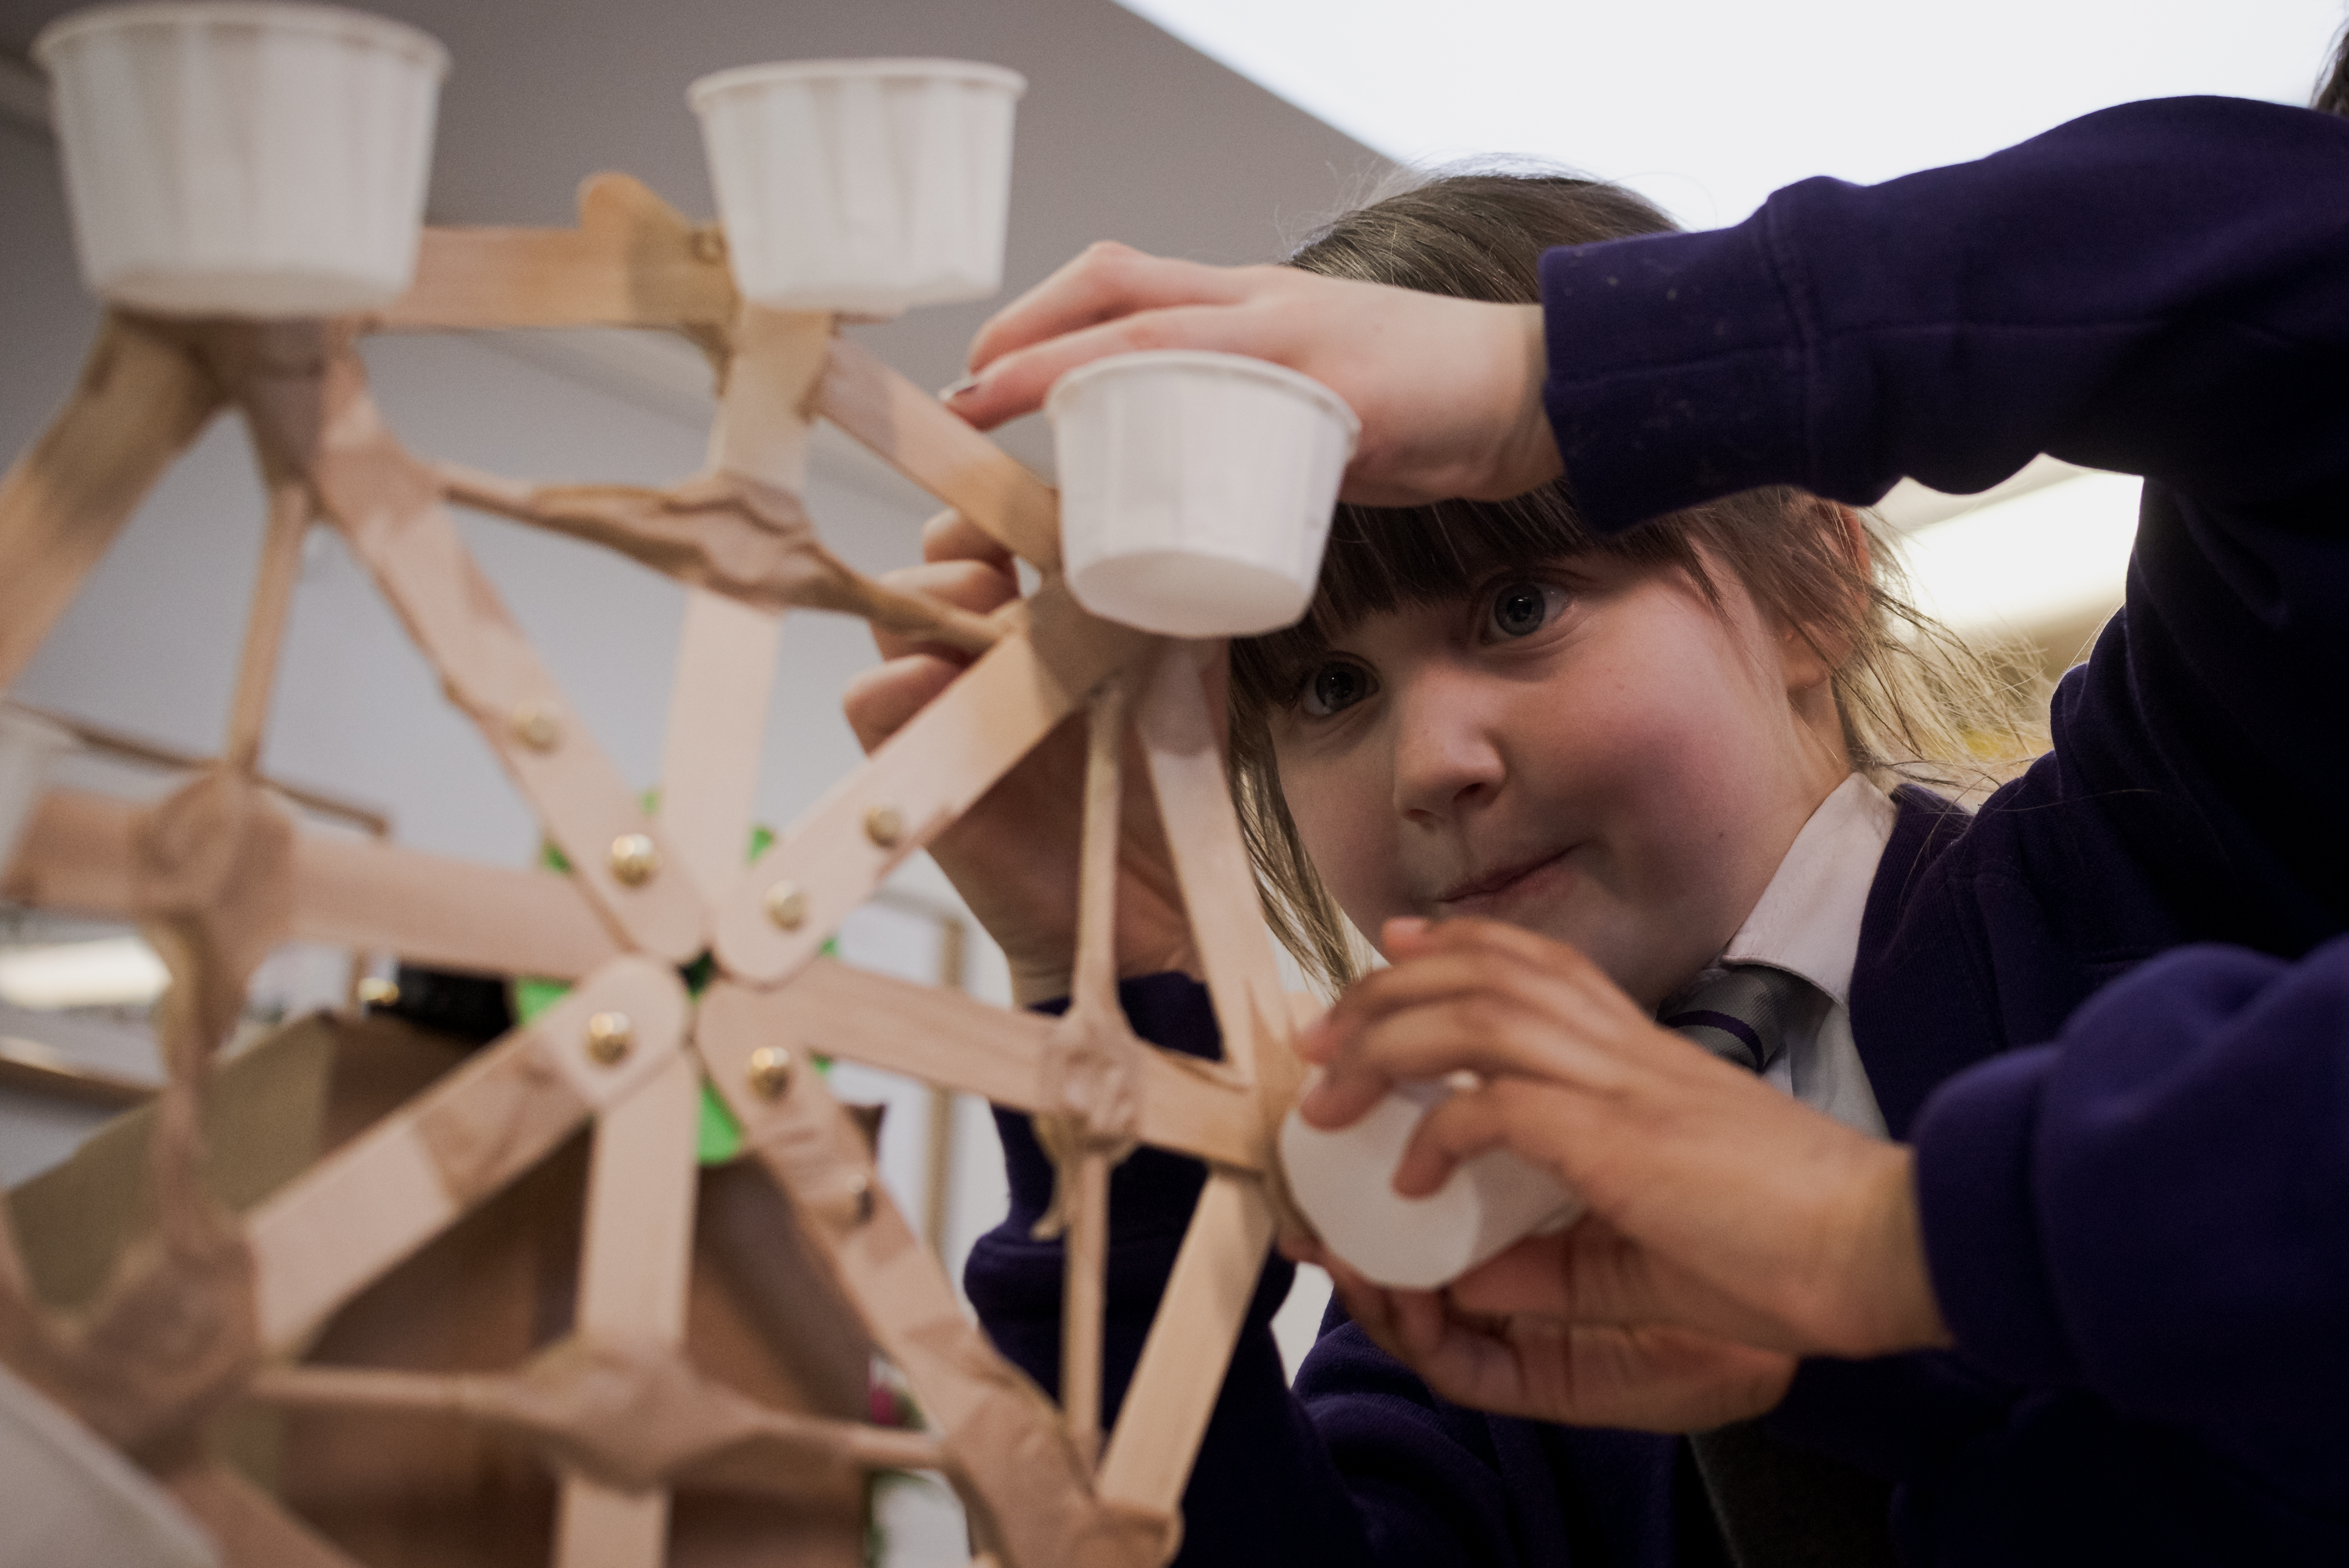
x=2110, y=1009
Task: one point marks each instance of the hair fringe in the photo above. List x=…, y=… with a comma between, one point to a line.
x=1918, y=703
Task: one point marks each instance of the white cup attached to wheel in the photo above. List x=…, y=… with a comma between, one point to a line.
x=230, y=158
x=1197, y=488
x=865, y=187
x=1344, y=1183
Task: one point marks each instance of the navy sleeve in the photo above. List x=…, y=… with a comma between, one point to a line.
x=2155, y=289
x=2134, y=1211
x=1361, y=1464
x=2204, y=1099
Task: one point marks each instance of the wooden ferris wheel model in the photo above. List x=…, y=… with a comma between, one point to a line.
x=217, y=1308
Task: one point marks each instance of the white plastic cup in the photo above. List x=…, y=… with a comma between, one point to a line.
x=28, y=745
x=1344, y=1182
x=227, y=158
x=1197, y=488
x=861, y=186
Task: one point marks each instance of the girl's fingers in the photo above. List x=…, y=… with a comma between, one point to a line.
x=950, y=536
x=880, y=700
x=974, y=585
x=1488, y=1034
x=1105, y=281
x=1017, y=382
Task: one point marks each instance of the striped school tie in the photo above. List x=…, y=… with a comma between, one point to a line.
x=1776, y=1506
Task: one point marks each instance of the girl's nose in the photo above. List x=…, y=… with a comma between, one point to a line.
x=1447, y=755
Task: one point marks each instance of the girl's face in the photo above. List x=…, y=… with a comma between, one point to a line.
x=1589, y=750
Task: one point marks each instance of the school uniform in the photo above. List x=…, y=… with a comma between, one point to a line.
x=2110, y=1010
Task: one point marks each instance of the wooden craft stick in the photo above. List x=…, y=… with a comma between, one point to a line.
x=717, y=725
x=632, y=262
x=1199, y=1320
x=776, y=915
x=1083, y=1180
x=727, y=1438
x=251, y=1528
x=290, y=510
x=388, y=508
x=970, y=1046
x=141, y=399
x=1002, y=1435
x=1179, y=735
x=766, y=404
x=922, y=440
x=1083, y=1299
x=360, y=893
x=635, y=1259
x=321, y=1241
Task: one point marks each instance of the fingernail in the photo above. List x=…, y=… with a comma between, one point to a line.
x=1403, y=927
x=949, y=393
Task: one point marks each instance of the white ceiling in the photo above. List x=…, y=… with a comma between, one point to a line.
x=1708, y=105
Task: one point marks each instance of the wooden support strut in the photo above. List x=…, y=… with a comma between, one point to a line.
x=918, y=782
x=616, y=1047
x=1025, y=1481
x=319, y=1241
x=311, y=415
x=141, y=399
x=361, y=894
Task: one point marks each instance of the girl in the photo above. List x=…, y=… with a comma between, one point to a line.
x=2091, y=1305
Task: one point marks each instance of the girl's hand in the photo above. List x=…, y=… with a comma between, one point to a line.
x=1648, y=1378
x=1448, y=390
x=1717, y=1202
x=1013, y=856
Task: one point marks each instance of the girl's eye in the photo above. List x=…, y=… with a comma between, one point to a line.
x=1523, y=607
x=1333, y=687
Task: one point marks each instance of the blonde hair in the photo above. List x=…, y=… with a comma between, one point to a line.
x=1918, y=703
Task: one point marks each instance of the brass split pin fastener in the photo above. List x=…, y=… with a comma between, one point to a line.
x=609, y=1036
x=536, y=725
x=635, y=858
x=787, y=906
x=770, y=1072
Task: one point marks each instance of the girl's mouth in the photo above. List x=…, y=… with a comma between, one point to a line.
x=1494, y=891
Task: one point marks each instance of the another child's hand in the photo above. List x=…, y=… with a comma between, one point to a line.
x=1448, y=390
x=1013, y=856
x=1718, y=1203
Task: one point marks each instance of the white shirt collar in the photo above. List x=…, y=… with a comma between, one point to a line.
x=1807, y=920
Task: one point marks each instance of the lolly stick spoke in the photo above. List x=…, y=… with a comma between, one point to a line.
x=1180, y=736
x=290, y=510
x=1199, y=1320
x=142, y=399
x=960, y=1043
x=1004, y=1438
x=922, y=440
x=360, y=893
x=372, y=1204
x=918, y=782
x=389, y=509
x=632, y=262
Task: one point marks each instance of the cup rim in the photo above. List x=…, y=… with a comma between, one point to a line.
x=1247, y=366
x=704, y=89
x=359, y=26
